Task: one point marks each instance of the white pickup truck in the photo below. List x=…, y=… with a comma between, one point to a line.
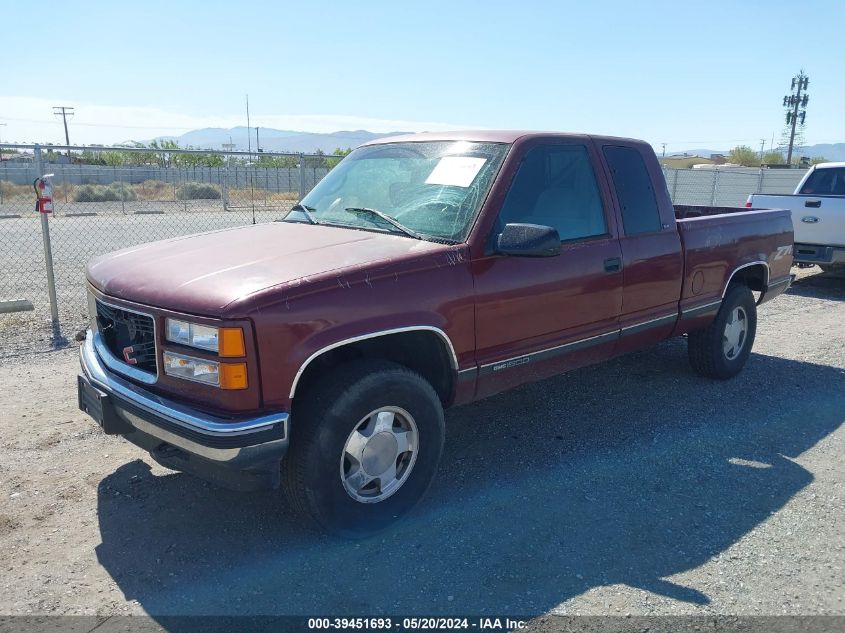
x=818, y=215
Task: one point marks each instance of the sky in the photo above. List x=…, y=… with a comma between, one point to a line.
x=708, y=74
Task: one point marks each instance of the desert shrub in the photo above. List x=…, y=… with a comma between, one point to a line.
x=104, y=193
x=9, y=189
x=154, y=190
x=198, y=191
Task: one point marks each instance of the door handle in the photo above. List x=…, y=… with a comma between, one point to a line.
x=613, y=264
x=813, y=204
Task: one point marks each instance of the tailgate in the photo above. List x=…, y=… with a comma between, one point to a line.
x=815, y=219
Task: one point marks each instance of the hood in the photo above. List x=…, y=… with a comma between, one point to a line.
x=202, y=274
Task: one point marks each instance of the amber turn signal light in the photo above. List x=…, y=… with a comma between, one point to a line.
x=231, y=342
x=233, y=376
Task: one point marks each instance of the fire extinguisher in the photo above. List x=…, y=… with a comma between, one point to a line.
x=44, y=192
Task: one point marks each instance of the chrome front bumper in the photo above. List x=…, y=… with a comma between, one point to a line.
x=240, y=444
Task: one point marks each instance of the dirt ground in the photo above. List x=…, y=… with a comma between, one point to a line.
x=634, y=487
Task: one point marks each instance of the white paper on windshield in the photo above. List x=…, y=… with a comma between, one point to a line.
x=458, y=171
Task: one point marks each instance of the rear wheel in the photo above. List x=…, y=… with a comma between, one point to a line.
x=721, y=349
x=365, y=445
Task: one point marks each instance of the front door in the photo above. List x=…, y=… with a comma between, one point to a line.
x=537, y=316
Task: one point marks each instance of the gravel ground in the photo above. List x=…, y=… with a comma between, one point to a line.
x=634, y=487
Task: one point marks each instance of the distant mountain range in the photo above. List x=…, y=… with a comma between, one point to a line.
x=275, y=140
x=272, y=140
x=833, y=152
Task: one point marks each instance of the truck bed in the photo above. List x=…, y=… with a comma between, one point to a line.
x=718, y=240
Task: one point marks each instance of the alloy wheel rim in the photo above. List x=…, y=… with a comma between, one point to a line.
x=379, y=454
x=735, y=334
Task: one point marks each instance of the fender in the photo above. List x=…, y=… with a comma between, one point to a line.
x=738, y=268
x=453, y=357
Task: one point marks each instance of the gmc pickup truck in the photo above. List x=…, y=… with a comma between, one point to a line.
x=318, y=352
x=818, y=216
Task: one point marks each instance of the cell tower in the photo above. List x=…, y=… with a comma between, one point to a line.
x=796, y=110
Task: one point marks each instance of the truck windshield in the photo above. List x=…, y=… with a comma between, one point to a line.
x=434, y=189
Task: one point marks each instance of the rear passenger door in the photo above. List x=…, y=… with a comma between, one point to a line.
x=652, y=257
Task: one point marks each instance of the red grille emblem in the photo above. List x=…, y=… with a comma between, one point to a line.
x=127, y=355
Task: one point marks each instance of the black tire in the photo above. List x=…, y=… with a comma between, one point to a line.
x=706, y=352
x=321, y=424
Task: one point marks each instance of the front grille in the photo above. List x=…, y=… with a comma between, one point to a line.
x=129, y=336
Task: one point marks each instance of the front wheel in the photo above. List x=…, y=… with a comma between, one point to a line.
x=721, y=349
x=365, y=446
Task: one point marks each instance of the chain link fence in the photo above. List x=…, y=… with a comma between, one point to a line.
x=100, y=208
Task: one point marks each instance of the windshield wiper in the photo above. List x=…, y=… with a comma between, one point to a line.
x=392, y=221
x=306, y=211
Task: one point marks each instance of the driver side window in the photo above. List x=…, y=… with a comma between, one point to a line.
x=555, y=186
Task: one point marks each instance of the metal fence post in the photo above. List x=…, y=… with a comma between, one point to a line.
x=760, y=182
x=48, y=255
x=715, y=188
x=223, y=177
x=122, y=191
x=301, y=176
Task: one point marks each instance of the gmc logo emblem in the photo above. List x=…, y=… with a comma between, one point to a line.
x=127, y=356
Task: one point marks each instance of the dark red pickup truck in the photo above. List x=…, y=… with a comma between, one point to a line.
x=318, y=352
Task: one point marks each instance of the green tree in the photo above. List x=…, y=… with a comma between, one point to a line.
x=283, y=162
x=89, y=157
x=744, y=155
x=774, y=158
x=197, y=160
x=50, y=156
x=116, y=159
x=139, y=158
x=160, y=157
x=331, y=163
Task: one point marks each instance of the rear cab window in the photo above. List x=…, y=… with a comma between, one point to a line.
x=634, y=190
x=829, y=181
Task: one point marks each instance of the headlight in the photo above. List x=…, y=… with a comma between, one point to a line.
x=209, y=372
x=227, y=341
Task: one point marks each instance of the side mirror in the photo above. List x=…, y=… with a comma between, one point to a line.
x=528, y=240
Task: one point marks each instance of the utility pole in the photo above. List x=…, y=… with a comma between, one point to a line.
x=248, y=128
x=762, y=148
x=257, y=144
x=793, y=101
x=664, y=149
x=64, y=111
x=1, y=149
